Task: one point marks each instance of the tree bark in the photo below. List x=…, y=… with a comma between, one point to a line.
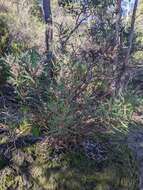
x=118, y=22
x=117, y=45
x=124, y=73
x=48, y=35
x=131, y=32
x=117, y=34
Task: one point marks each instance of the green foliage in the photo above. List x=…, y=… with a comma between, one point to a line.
x=69, y=171
x=29, y=71
x=30, y=59
x=37, y=10
x=92, y=2
x=2, y=163
x=5, y=72
x=4, y=34
x=36, y=131
x=17, y=48
x=78, y=104
x=25, y=127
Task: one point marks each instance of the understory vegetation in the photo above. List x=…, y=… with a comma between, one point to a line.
x=71, y=94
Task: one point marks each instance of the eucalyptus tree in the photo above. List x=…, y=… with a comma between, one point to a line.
x=48, y=36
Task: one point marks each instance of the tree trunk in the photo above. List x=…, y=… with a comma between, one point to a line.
x=117, y=33
x=131, y=32
x=117, y=45
x=48, y=36
x=123, y=76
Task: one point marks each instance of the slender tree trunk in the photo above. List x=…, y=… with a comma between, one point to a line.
x=48, y=35
x=118, y=22
x=117, y=34
x=124, y=73
x=117, y=44
x=131, y=32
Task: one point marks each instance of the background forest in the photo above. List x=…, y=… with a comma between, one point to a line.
x=71, y=95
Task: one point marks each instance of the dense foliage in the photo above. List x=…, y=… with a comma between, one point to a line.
x=71, y=94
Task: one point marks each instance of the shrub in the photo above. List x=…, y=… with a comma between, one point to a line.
x=4, y=35
x=19, y=22
x=5, y=72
